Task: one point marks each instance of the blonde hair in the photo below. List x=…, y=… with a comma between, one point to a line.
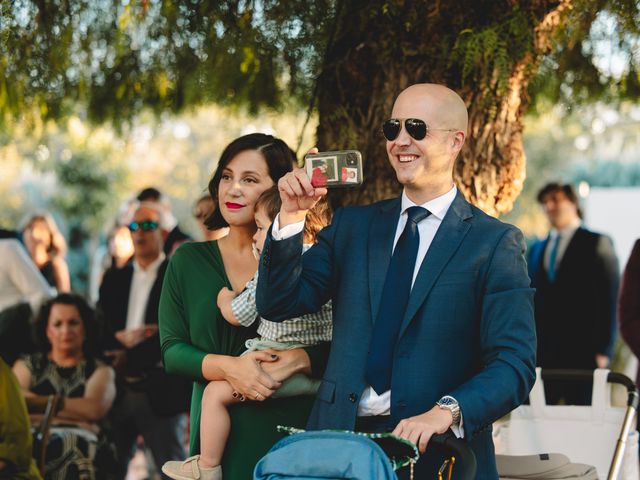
x=57, y=245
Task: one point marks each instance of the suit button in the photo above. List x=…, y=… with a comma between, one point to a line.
x=353, y=397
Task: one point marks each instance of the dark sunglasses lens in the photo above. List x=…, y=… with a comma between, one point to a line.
x=133, y=226
x=391, y=129
x=416, y=128
x=147, y=226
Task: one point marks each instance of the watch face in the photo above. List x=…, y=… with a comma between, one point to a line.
x=447, y=401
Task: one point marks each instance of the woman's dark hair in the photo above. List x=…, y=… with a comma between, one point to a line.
x=279, y=157
x=87, y=315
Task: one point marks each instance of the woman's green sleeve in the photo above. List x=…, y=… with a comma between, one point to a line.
x=178, y=353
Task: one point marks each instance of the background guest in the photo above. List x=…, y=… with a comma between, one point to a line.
x=204, y=207
x=172, y=235
x=22, y=290
x=67, y=365
x=575, y=274
x=47, y=248
x=629, y=304
x=150, y=402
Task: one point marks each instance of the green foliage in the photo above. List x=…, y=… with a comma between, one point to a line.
x=607, y=174
x=488, y=54
x=120, y=57
x=87, y=188
x=595, y=57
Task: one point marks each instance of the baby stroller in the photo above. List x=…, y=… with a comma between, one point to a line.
x=599, y=435
x=356, y=456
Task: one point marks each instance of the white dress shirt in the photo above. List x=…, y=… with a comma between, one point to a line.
x=566, y=234
x=20, y=280
x=370, y=402
x=141, y=285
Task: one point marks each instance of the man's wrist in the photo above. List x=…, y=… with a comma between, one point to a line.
x=451, y=404
x=289, y=218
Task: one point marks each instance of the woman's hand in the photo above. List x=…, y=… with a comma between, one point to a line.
x=288, y=363
x=247, y=376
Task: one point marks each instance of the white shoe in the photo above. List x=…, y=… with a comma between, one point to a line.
x=176, y=471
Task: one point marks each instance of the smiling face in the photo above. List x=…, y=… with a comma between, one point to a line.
x=243, y=180
x=425, y=167
x=65, y=330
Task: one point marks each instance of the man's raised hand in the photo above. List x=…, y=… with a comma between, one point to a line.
x=298, y=195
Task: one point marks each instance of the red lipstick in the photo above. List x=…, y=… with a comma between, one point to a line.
x=233, y=206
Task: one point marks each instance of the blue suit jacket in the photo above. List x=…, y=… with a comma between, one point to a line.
x=468, y=330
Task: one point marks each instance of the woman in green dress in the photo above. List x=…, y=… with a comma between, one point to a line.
x=197, y=342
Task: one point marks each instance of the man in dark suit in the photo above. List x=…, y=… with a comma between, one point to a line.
x=575, y=273
x=149, y=402
x=433, y=312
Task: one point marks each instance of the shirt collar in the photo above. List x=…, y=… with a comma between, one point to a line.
x=153, y=267
x=567, y=231
x=437, y=206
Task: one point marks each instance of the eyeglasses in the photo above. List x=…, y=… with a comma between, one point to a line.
x=415, y=127
x=145, y=226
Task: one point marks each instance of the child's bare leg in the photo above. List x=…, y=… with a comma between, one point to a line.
x=215, y=422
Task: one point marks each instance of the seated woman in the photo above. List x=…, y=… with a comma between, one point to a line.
x=197, y=342
x=66, y=365
x=47, y=248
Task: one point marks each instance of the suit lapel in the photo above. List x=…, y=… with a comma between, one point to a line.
x=381, y=235
x=447, y=240
x=537, y=259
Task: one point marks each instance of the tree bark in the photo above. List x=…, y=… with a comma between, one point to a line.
x=377, y=51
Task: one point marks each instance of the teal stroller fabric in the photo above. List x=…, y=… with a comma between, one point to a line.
x=325, y=454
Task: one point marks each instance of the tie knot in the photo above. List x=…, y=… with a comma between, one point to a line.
x=417, y=214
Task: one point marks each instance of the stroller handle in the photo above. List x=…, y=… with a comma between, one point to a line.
x=587, y=376
x=466, y=466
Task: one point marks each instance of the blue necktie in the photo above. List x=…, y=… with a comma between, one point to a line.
x=393, y=304
x=551, y=273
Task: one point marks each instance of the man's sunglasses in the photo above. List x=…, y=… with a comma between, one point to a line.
x=415, y=127
x=145, y=226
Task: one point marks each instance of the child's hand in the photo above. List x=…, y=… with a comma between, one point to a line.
x=225, y=296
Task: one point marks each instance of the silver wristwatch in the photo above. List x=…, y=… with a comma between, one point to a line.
x=449, y=403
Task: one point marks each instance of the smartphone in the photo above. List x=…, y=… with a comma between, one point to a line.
x=340, y=168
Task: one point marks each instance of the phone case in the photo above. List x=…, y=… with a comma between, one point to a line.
x=334, y=169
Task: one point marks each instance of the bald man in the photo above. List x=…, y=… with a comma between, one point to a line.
x=433, y=310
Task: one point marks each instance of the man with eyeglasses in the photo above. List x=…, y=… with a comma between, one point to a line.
x=433, y=310
x=150, y=402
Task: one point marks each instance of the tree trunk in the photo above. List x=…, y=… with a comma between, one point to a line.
x=380, y=48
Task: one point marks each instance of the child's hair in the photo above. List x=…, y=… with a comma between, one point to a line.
x=317, y=218
x=269, y=202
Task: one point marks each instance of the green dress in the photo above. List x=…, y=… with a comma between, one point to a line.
x=191, y=326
